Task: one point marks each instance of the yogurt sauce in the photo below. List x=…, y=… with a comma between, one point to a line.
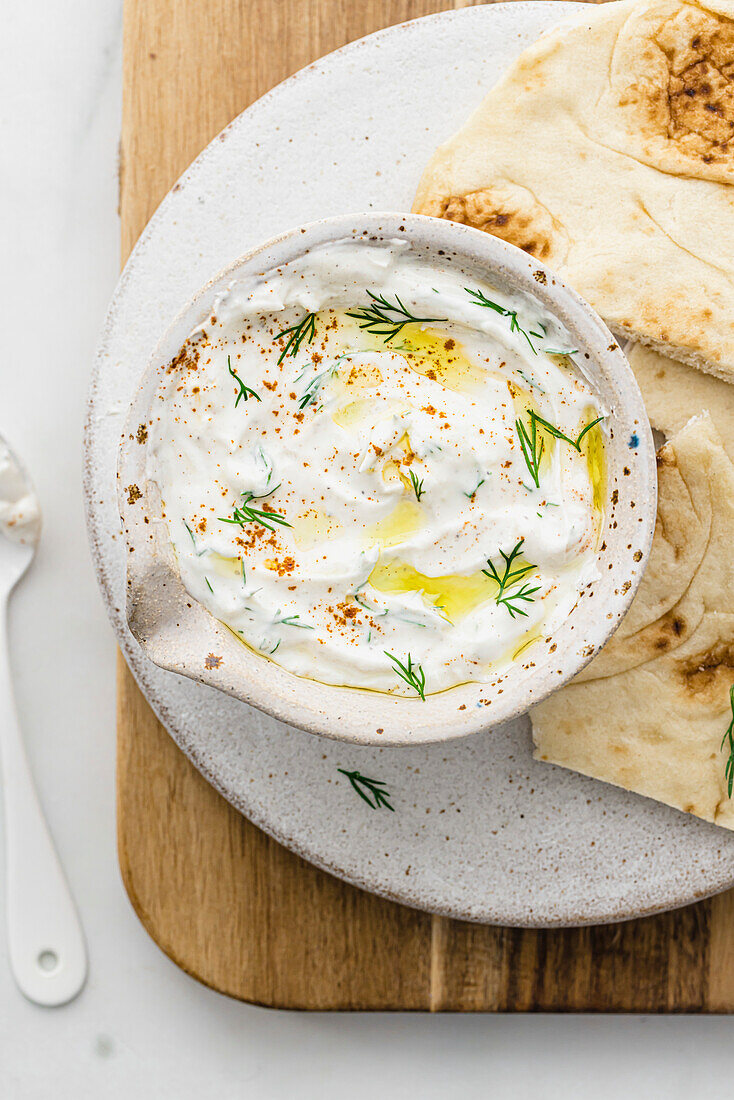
x=20, y=515
x=342, y=495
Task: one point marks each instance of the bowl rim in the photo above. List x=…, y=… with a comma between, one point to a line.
x=282, y=694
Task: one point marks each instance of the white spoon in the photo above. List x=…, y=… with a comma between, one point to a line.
x=47, y=952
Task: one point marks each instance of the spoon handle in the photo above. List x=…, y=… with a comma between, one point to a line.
x=47, y=951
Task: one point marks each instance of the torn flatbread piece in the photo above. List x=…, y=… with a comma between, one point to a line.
x=607, y=152
x=649, y=713
x=673, y=393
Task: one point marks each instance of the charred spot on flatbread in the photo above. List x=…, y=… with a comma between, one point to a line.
x=709, y=675
x=676, y=78
x=670, y=631
x=514, y=215
x=699, y=50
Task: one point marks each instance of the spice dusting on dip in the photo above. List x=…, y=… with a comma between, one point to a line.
x=20, y=515
x=380, y=472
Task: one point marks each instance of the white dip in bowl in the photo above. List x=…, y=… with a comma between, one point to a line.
x=399, y=458
x=345, y=495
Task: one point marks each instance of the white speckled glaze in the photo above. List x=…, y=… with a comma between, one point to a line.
x=480, y=831
x=180, y=635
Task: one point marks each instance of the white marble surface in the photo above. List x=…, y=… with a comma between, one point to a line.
x=141, y=1028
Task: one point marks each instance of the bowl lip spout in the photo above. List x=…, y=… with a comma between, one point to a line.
x=178, y=634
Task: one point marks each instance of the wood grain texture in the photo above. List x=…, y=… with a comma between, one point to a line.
x=226, y=903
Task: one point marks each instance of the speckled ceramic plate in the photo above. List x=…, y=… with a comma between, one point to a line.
x=479, y=831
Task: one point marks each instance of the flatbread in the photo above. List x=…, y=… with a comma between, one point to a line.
x=650, y=711
x=673, y=393
x=607, y=152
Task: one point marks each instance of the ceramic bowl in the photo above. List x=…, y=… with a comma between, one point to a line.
x=178, y=634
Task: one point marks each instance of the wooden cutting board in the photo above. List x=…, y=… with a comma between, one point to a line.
x=227, y=904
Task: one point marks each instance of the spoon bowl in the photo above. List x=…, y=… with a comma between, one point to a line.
x=20, y=518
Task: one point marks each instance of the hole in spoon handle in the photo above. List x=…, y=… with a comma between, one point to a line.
x=48, y=961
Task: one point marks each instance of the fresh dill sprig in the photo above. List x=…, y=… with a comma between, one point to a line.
x=304, y=330
x=472, y=494
x=245, y=513
x=417, y=485
x=290, y=620
x=407, y=619
x=193, y=540
x=510, y=601
x=374, y=786
x=510, y=578
x=481, y=299
x=532, y=447
x=388, y=319
x=313, y=387
x=561, y=351
x=534, y=385
x=728, y=739
x=558, y=434
x=245, y=391
x=208, y=584
x=267, y=465
x=372, y=610
x=411, y=673
x=244, y=575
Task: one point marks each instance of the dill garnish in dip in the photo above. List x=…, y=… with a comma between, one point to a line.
x=378, y=472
